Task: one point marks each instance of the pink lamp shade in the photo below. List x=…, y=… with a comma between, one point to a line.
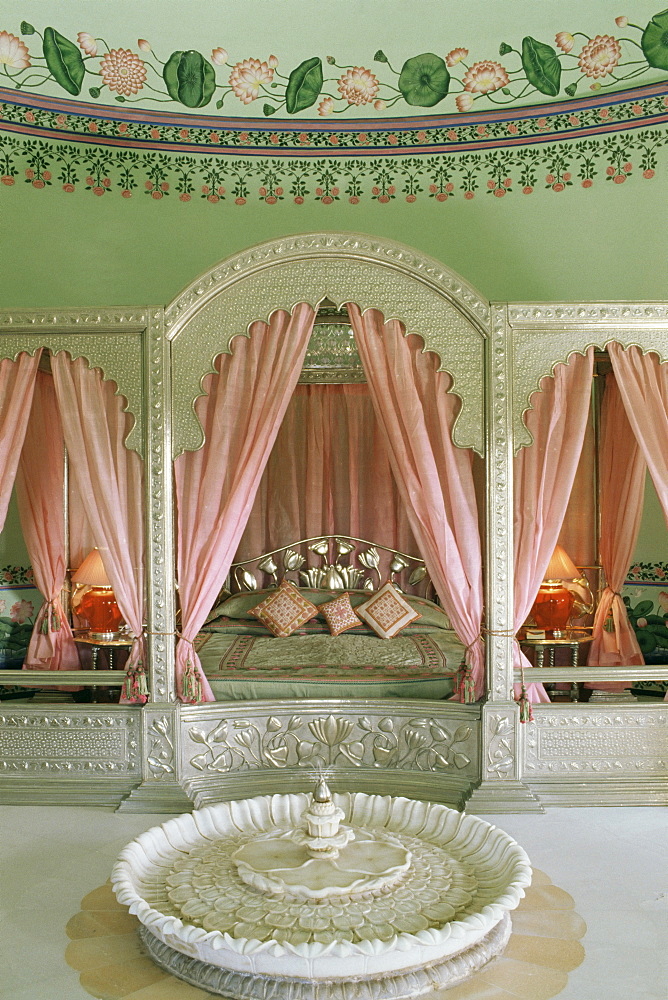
x=93, y=599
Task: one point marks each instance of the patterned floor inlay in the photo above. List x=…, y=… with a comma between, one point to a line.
x=544, y=947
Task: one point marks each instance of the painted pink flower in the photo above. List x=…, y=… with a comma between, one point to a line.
x=123, y=71
x=248, y=77
x=464, y=102
x=358, y=85
x=564, y=40
x=219, y=56
x=143, y=45
x=455, y=56
x=87, y=43
x=273, y=62
x=621, y=22
x=663, y=600
x=600, y=56
x=379, y=106
x=13, y=52
x=326, y=107
x=3, y=604
x=485, y=77
x=21, y=611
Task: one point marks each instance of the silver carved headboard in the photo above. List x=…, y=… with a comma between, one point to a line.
x=342, y=562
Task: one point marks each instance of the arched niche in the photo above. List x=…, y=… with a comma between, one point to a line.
x=545, y=335
x=118, y=357
x=449, y=315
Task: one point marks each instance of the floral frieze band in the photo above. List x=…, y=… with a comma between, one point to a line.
x=516, y=72
x=628, y=157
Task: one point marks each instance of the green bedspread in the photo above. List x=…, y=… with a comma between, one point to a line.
x=249, y=667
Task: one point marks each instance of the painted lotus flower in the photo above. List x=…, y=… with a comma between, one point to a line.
x=485, y=77
x=13, y=52
x=564, y=40
x=123, y=71
x=464, y=102
x=248, y=77
x=600, y=56
x=326, y=106
x=219, y=56
x=143, y=45
x=87, y=42
x=456, y=56
x=358, y=85
x=21, y=611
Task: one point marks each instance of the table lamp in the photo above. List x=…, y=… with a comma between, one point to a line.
x=93, y=598
x=564, y=593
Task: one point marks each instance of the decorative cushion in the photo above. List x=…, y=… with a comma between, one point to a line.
x=340, y=615
x=387, y=612
x=284, y=610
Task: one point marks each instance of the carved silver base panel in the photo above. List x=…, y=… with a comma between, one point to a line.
x=245, y=986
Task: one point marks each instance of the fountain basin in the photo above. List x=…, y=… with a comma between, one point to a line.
x=183, y=883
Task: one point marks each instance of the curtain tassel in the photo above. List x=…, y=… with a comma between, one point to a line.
x=192, y=684
x=465, y=684
x=135, y=687
x=526, y=711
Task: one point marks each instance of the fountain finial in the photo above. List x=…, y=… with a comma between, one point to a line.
x=324, y=836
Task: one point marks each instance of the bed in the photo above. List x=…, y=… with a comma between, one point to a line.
x=243, y=660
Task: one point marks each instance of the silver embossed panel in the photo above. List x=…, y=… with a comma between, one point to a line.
x=69, y=742
x=621, y=741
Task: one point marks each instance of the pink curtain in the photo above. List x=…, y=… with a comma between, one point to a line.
x=543, y=477
x=216, y=486
x=622, y=487
x=17, y=383
x=643, y=384
x=109, y=480
x=39, y=490
x=435, y=479
x=328, y=473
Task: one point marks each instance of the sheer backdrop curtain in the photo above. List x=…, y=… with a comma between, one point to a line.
x=416, y=414
x=39, y=491
x=543, y=477
x=216, y=486
x=17, y=384
x=328, y=473
x=622, y=490
x=110, y=484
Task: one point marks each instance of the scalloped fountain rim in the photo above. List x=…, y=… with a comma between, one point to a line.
x=465, y=836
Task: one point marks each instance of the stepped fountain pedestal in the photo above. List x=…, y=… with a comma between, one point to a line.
x=273, y=897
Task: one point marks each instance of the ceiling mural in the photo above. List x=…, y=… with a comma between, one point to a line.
x=536, y=101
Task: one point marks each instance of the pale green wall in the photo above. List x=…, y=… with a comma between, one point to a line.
x=79, y=250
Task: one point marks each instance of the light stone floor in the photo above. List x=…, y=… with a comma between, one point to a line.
x=611, y=861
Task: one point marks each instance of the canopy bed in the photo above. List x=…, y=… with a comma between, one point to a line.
x=467, y=420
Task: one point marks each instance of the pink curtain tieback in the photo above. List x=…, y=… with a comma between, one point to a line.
x=135, y=684
x=49, y=615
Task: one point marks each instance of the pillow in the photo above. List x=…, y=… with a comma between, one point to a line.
x=387, y=612
x=284, y=610
x=241, y=605
x=340, y=615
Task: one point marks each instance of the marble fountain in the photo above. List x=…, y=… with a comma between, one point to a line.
x=275, y=898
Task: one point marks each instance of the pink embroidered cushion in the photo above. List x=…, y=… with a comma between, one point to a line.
x=284, y=610
x=339, y=614
x=387, y=612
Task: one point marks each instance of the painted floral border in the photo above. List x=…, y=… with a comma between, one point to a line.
x=530, y=68
x=16, y=576
x=53, y=119
x=646, y=572
x=616, y=158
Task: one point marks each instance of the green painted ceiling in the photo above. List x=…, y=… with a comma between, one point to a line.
x=248, y=58
x=529, y=194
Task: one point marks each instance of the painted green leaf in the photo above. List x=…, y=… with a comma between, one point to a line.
x=64, y=61
x=269, y=109
x=424, y=80
x=646, y=641
x=189, y=78
x=654, y=41
x=304, y=86
x=541, y=64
